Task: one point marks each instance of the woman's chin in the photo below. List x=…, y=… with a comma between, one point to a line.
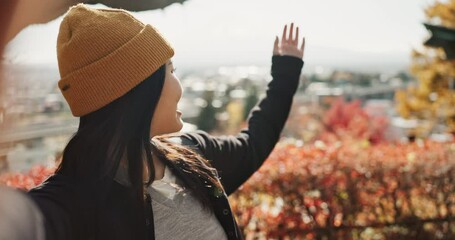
x=179, y=118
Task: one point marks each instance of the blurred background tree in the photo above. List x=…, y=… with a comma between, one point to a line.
x=433, y=98
x=251, y=98
x=207, y=118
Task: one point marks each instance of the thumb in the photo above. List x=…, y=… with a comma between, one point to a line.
x=275, y=46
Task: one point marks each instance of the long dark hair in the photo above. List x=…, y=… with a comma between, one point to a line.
x=122, y=129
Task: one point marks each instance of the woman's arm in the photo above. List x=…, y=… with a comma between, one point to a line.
x=20, y=218
x=237, y=157
x=53, y=198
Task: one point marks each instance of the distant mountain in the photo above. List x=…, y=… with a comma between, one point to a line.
x=327, y=57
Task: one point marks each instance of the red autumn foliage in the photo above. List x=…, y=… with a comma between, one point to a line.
x=26, y=181
x=341, y=121
x=348, y=120
x=314, y=191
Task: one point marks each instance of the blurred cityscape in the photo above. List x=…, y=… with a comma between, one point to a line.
x=216, y=100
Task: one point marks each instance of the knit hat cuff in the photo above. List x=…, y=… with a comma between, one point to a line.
x=131, y=63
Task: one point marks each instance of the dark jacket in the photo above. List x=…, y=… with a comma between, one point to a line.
x=68, y=205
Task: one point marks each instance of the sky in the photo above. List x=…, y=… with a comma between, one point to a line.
x=370, y=35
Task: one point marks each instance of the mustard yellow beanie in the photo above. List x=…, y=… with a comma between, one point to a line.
x=104, y=53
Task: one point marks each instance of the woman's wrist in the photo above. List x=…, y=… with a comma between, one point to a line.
x=287, y=65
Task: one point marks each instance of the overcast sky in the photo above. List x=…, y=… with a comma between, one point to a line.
x=358, y=34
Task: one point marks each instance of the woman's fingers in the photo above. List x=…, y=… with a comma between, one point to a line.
x=289, y=44
x=296, y=40
x=291, y=31
x=302, y=48
x=283, y=38
x=290, y=38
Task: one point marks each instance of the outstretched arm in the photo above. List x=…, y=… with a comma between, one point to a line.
x=237, y=157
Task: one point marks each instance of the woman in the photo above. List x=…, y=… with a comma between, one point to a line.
x=128, y=173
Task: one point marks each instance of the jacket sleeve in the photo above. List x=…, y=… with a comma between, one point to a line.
x=20, y=218
x=51, y=201
x=237, y=157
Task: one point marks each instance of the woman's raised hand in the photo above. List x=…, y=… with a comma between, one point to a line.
x=289, y=45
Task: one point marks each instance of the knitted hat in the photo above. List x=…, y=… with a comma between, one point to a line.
x=104, y=53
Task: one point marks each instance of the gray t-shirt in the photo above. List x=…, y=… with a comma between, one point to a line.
x=177, y=214
x=183, y=217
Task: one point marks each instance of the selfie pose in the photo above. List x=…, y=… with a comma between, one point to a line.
x=127, y=173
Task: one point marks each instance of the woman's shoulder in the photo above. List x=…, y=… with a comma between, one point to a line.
x=53, y=183
x=188, y=139
x=54, y=199
x=53, y=193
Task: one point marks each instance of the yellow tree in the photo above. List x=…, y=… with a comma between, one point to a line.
x=433, y=98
